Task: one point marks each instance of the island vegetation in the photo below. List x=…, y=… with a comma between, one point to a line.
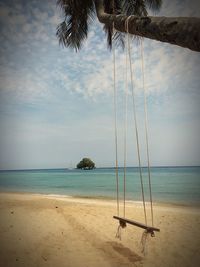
x=86, y=164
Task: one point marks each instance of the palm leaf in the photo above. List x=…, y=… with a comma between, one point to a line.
x=137, y=8
x=77, y=16
x=113, y=7
x=154, y=5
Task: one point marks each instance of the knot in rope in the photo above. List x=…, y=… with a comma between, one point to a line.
x=127, y=23
x=119, y=232
x=143, y=242
x=119, y=229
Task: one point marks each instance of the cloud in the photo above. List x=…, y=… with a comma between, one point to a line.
x=53, y=99
x=90, y=72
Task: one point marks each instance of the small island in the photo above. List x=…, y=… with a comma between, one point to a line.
x=86, y=164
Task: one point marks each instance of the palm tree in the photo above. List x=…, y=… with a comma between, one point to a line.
x=115, y=14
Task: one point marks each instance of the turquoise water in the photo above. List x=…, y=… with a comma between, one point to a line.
x=169, y=184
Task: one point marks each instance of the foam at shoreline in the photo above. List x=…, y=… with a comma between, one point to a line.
x=101, y=200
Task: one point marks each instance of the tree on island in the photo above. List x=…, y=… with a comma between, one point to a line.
x=86, y=164
x=78, y=14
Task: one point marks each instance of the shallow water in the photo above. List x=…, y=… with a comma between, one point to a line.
x=169, y=184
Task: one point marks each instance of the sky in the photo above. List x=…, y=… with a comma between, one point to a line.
x=56, y=105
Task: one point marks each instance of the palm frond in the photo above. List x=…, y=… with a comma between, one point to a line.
x=108, y=7
x=154, y=5
x=78, y=14
x=108, y=29
x=137, y=8
x=113, y=7
x=134, y=7
x=74, y=29
x=119, y=39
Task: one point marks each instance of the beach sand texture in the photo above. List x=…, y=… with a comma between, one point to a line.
x=39, y=230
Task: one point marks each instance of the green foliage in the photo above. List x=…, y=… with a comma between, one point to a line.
x=86, y=164
x=74, y=29
x=79, y=14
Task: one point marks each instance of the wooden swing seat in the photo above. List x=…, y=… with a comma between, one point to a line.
x=123, y=221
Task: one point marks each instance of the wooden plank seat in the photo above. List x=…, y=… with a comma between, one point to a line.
x=124, y=221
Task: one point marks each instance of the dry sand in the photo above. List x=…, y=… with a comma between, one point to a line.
x=39, y=230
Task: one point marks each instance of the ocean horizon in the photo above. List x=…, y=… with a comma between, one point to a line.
x=106, y=167
x=170, y=184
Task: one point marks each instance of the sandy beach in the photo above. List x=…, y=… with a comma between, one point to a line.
x=42, y=230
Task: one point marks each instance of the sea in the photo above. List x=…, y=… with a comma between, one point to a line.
x=175, y=185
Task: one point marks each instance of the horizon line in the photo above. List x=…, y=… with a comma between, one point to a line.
x=120, y=167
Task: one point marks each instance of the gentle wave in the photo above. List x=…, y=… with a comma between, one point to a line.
x=169, y=184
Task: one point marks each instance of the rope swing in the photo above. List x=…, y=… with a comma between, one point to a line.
x=122, y=220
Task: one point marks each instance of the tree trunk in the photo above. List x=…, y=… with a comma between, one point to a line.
x=181, y=31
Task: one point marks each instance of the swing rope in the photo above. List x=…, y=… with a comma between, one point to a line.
x=146, y=128
x=144, y=240
x=125, y=127
x=123, y=221
x=116, y=139
x=135, y=121
x=115, y=122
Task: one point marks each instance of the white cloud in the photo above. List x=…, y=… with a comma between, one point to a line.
x=65, y=86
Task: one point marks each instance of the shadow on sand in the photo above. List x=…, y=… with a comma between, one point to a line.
x=125, y=252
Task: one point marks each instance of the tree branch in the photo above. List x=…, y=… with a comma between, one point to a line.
x=181, y=31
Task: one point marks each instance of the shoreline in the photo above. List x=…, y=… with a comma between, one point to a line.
x=104, y=199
